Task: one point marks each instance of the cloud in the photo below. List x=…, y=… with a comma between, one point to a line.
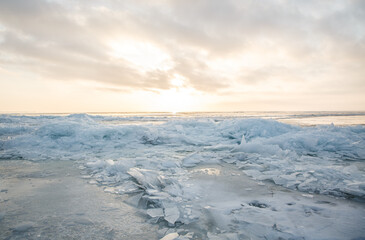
x=269, y=43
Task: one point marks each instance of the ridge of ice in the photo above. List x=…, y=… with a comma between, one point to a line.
x=309, y=159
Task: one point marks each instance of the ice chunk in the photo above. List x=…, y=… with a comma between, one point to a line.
x=258, y=204
x=243, y=140
x=129, y=187
x=135, y=200
x=172, y=214
x=147, y=178
x=191, y=160
x=170, y=236
x=156, y=195
x=152, y=137
x=110, y=190
x=155, y=212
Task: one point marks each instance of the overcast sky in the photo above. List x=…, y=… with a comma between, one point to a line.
x=181, y=55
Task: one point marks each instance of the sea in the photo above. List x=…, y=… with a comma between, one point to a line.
x=194, y=175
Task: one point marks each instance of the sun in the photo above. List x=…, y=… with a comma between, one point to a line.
x=180, y=97
x=144, y=57
x=176, y=100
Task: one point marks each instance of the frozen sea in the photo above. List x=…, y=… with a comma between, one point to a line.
x=235, y=175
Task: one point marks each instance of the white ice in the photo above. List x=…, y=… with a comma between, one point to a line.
x=160, y=167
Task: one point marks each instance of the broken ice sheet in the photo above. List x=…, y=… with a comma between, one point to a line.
x=170, y=236
x=172, y=213
x=146, y=178
x=155, y=212
x=308, y=159
x=129, y=187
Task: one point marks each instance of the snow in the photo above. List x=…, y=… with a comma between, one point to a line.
x=167, y=168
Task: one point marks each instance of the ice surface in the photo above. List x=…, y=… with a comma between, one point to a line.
x=23, y=227
x=62, y=205
x=310, y=159
x=155, y=163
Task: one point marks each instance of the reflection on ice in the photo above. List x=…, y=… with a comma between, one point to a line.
x=209, y=171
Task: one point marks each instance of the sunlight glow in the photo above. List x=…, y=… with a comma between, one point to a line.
x=177, y=100
x=178, y=80
x=143, y=55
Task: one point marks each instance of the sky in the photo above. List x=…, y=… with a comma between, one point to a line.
x=182, y=55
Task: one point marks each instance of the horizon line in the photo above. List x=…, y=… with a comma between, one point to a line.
x=183, y=112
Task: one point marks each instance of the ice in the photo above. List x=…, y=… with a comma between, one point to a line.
x=172, y=213
x=155, y=212
x=129, y=187
x=22, y=227
x=191, y=161
x=146, y=178
x=163, y=168
x=170, y=236
x=282, y=153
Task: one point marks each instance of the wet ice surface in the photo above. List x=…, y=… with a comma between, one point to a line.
x=235, y=207
x=50, y=200
x=198, y=177
x=221, y=202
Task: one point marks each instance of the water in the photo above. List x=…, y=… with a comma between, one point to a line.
x=258, y=175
